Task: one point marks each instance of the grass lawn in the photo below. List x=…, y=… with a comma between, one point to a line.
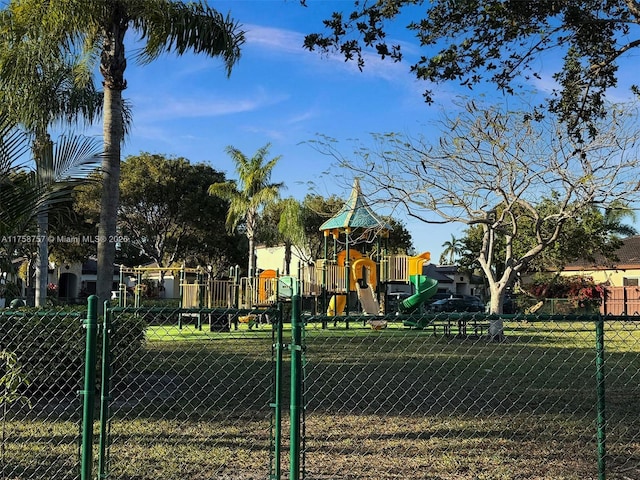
x=388, y=404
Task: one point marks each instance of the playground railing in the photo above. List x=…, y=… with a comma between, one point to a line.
x=220, y=294
x=397, y=268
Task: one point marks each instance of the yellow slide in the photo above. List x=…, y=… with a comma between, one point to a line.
x=336, y=306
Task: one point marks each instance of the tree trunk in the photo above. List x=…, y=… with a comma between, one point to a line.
x=252, y=257
x=110, y=192
x=496, y=325
x=497, y=289
x=287, y=258
x=112, y=67
x=42, y=259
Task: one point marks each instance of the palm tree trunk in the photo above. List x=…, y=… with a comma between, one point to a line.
x=42, y=260
x=112, y=66
x=113, y=134
x=252, y=257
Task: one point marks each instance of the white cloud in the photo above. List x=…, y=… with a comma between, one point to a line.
x=174, y=107
x=302, y=117
x=290, y=42
x=276, y=39
x=270, y=133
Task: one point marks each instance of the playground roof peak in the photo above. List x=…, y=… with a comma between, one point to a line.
x=355, y=213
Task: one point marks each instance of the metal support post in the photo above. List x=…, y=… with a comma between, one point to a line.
x=296, y=384
x=105, y=396
x=180, y=303
x=89, y=392
x=601, y=417
x=278, y=347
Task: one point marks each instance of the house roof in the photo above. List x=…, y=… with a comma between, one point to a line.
x=355, y=213
x=437, y=273
x=628, y=257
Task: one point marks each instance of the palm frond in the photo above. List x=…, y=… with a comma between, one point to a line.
x=225, y=190
x=180, y=27
x=267, y=194
x=75, y=157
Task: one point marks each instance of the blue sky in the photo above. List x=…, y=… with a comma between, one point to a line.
x=281, y=94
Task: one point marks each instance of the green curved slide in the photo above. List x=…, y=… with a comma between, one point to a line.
x=425, y=289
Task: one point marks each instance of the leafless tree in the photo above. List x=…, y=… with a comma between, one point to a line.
x=495, y=169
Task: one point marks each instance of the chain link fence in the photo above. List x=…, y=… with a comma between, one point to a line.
x=191, y=394
x=443, y=402
x=195, y=403
x=41, y=367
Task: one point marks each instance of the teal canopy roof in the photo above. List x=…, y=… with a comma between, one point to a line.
x=355, y=213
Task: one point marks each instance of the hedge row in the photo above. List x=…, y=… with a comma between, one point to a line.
x=50, y=347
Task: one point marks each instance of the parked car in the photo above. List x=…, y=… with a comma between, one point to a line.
x=441, y=296
x=509, y=306
x=466, y=304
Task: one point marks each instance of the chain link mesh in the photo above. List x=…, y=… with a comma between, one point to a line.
x=192, y=392
x=195, y=403
x=41, y=370
x=444, y=403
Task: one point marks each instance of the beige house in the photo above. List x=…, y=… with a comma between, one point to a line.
x=620, y=277
x=623, y=272
x=272, y=258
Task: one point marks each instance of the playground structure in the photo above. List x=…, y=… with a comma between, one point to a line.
x=346, y=281
x=367, y=286
x=194, y=288
x=348, y=271
x=158, y=283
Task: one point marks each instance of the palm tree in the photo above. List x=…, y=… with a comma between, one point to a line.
x=17, y=194
x=614, y=217
x=291, y=229
x=452, y=248
x=25, y=193
x=165, y=26
x=42, y=88
x=251, y=195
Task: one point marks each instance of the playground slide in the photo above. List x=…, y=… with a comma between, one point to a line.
x=286, y=286
x=425, y=288
x=368, y=300
x=336, y=305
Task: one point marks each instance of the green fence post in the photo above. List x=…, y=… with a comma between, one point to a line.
x=324, y=302
x=106, y=393
x=89, y=392
x=277, y=396
x=296, y=383
x=601, y=403
x=200, y=280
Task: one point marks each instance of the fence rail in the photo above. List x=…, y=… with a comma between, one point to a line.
x=204, y=393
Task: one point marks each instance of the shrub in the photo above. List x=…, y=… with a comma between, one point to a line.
x=581, y=292
x=52, y=290
x=50, y=346
x=9, y=291
x=11, y=379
